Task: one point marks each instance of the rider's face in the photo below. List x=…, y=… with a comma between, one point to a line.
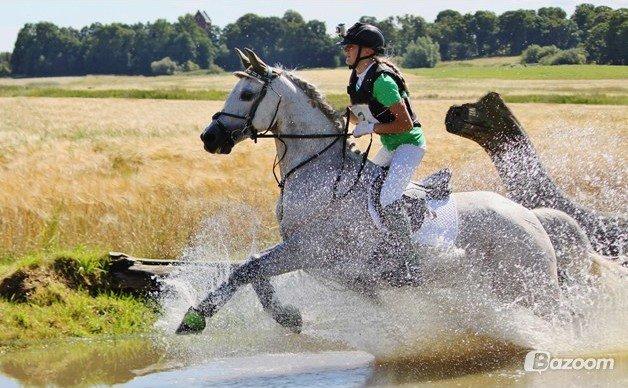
x=351, y=52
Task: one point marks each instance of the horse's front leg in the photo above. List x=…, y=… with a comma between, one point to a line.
x=275, y=261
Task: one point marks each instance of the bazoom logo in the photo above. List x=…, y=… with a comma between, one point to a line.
x=539, y=361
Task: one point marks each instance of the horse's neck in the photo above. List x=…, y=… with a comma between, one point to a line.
x=309, y=190
x=298, y=119
x=523, y=173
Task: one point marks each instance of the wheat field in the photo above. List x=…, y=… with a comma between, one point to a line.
x=131, y=175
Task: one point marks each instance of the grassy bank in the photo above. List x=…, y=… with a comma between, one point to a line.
x=339, y=101
x=65, y=293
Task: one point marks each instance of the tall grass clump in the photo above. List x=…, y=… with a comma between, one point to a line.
x=574, y=56
x=164, y=66
x=534, y=53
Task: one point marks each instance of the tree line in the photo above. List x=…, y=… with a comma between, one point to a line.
x=44, y=49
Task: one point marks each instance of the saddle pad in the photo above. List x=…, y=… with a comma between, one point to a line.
x=440, y=226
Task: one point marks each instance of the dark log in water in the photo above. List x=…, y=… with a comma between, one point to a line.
x=143, y=276
x=491, y=124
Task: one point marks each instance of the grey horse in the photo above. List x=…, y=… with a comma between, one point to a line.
x=323, y=209
x=491, y=124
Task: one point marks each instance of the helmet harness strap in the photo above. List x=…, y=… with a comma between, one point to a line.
x=358, y=58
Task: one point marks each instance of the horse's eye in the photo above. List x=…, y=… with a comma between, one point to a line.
x=246, y=95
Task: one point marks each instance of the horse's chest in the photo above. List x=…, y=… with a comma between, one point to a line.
x=295, y=209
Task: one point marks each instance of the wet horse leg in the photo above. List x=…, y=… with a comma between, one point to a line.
x=287, y=316
x=275, y=261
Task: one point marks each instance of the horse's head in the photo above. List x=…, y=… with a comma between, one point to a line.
x=488, y=122
x=251, y=106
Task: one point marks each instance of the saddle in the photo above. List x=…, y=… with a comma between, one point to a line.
x=434, y=187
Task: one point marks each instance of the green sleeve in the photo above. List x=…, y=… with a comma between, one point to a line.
x=385, y=90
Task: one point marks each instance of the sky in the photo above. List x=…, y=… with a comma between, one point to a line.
x=78, y=13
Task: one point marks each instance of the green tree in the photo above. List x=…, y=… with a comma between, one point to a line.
x=617, y=38
x=483, y=25
x=308, y=45
x=583, y=17
x=574, y=56
x=410, y=28
x=421, y=53
x=164, y=66
x=5, y=64
x=260, y=33
x=45, y=49
x=560, y=32
x=517, y=30
x=288, y=40
x=451, y=33
x=192, y=43
x=607, y=41
x=552, y=13
x=109, y=49
x=534, y=53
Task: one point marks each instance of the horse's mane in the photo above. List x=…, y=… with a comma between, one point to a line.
x=317, y=99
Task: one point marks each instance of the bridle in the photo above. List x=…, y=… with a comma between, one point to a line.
x=248, y=126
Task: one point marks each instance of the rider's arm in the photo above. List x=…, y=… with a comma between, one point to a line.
x=402, y=122
x=386, y=91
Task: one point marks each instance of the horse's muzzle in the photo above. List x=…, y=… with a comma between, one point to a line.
x=216, y=139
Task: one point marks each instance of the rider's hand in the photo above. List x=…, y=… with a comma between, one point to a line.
x=363, y=128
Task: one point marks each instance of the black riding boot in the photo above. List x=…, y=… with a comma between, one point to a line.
x=402, y=249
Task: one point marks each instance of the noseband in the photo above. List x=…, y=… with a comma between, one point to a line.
x=253, y=133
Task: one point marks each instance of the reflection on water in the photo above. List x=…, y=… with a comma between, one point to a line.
x=104, y=361
x=292, y=361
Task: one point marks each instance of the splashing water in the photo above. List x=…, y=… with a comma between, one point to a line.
x=459, y=320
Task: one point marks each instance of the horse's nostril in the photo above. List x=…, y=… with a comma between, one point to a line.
x=207, y=137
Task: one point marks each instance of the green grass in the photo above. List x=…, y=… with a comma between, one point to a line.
x=337, y=100
x=517, y=72
x=340, y=101
x=161, y=94
x=68, y=295
x=78, y=314
x=590, y=99
x=487, y=61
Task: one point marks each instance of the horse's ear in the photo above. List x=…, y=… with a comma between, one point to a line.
x=259, y=66
x=245, y=61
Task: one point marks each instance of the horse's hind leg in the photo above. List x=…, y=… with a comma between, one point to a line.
x=287, y=316
x=573, y=251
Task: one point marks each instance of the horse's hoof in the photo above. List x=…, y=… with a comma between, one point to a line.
x=290, y=318
x=193, y=322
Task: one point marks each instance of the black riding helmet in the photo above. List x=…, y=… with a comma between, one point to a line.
x=362, y=35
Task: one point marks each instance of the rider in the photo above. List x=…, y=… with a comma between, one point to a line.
x=380, y=104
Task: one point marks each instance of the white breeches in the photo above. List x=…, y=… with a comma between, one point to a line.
x=402, y=162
